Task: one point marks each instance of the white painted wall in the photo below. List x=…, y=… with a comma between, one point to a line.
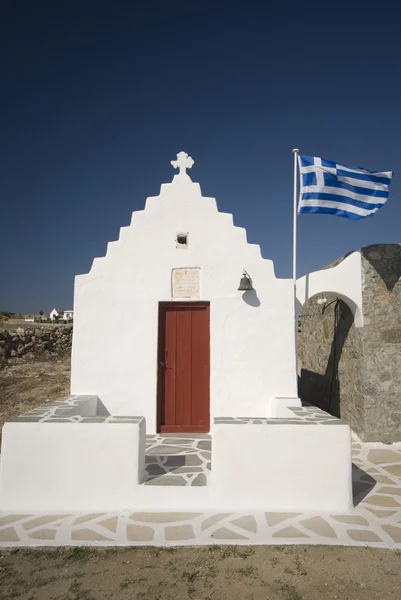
x=281, y=466
x=252, y=343
x=344, y=280
x=70, y=466
x=100, y=467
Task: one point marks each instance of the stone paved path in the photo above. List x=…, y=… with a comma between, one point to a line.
x=375, y=520
x=178, y=460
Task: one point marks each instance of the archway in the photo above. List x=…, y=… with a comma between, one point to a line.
x=329, y=349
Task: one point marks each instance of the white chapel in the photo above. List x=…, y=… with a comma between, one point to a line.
x=199, y=343
x=194, y=347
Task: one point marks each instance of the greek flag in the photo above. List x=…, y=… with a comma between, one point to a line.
x=331, y=188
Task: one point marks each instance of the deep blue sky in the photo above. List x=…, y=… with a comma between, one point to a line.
x=97, y=98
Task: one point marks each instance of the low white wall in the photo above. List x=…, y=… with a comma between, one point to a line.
x=92, y=407
x=70, y=466
x=281, y=467
x=52, y=466
x=344, y=280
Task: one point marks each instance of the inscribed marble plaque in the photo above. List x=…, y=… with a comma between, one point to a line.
x=186, y=283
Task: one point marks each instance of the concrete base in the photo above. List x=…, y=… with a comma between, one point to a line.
x=69, y=457
x=276, y=465
x=375, y=521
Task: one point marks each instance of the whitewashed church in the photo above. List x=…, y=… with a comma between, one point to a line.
x=196, y=347
x=209, y=350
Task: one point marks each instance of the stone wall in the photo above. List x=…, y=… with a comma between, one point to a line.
x=31, y=341
x=381, y=269
x=355, y=373
x=329, y=360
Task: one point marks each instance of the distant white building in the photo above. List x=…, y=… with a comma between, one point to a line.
x=66, y=315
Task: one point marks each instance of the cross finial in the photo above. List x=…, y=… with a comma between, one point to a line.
x=182, y=163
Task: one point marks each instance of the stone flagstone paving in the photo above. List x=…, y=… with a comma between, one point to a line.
x=185, y=459
x=375, y=520
x=178, y=460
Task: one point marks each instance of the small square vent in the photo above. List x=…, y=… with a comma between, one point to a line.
x=181, y=241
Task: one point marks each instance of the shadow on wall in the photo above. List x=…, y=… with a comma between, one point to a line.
x=386, y=261
x=251, y=298
x=324, y=390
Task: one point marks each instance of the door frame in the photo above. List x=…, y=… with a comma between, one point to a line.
x=161, y=339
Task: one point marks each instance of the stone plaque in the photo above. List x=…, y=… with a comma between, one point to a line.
x=186, y=283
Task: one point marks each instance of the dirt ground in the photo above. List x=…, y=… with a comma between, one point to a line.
x=204, y=573
x=230, y=572
x=28, y=384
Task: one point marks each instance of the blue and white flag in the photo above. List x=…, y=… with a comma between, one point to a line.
x=351, y=192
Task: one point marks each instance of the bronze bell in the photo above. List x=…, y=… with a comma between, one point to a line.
x=245, y=285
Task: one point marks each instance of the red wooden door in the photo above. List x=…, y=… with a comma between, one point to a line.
x=184, y=367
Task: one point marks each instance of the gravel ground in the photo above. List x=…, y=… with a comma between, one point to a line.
x=230, y=572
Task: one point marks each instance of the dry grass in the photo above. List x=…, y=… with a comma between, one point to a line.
x=28, y=384
x=13, y=324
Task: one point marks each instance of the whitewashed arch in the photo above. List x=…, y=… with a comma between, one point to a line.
x=344, y=280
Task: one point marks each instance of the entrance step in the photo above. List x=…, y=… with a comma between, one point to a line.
x=178, y=459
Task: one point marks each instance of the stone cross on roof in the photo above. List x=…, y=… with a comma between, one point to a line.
x=182, y=163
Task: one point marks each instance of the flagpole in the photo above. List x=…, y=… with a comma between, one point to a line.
x=294, y=260
x=294, y=239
